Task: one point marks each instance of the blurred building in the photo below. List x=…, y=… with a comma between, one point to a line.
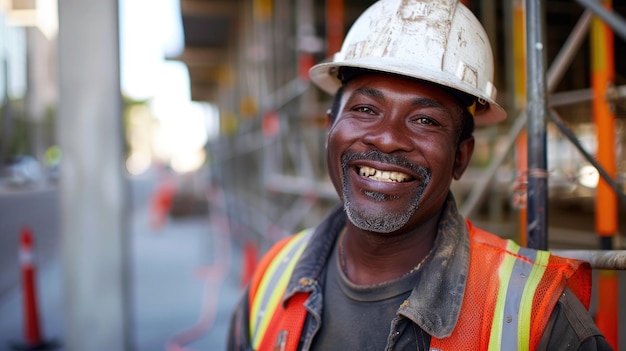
x=28, y=32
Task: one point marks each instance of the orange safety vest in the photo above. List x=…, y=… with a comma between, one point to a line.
x=504, y=308
x=510, y=308
x=272, y=325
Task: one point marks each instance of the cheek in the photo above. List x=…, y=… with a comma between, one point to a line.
x=442, y=163
x=440, y=158
x=337, y=138
x=335, y=173
x=337, y=143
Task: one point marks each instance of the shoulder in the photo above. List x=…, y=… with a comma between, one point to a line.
x=481, y=236
x=571, y=327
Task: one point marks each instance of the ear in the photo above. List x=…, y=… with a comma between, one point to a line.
x=329, y=118
x=463, y=156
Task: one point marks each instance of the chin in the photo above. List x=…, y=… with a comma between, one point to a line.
x=378, y=221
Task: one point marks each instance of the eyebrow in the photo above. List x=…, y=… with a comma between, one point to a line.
x=370, y=92
x=421, y=101
x=426, y=102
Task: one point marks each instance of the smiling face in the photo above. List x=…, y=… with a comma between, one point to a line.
x=393, y=151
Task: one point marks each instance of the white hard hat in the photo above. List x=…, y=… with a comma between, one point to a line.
x=440, y=41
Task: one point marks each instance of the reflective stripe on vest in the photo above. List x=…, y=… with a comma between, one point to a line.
x=510, y=294
x=519, y=280
x=273, y=284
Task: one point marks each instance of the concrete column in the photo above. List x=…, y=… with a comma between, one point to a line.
x=92, y=186
x=38, y=95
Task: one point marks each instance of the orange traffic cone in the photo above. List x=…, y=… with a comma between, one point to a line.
x=32, y=332
x=161, y=204
x=250, y=258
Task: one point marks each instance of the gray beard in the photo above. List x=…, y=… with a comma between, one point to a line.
x=382, y=221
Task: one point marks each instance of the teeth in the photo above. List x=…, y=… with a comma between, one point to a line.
x=383, y=176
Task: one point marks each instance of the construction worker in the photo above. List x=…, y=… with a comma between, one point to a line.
x=396, y=267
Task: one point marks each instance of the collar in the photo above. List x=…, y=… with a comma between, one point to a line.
x=435, y=303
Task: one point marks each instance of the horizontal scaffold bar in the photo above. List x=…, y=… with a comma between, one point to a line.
x=598, y=259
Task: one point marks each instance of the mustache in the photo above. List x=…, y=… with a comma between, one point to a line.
x=378, y=156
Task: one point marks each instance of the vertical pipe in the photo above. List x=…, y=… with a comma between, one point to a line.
x=607, y=318
x=334, y=26
x=263, y=76
x=305, y=24
x=603, y=75
x=263, y=10
x=521, y=148
x=537, y=117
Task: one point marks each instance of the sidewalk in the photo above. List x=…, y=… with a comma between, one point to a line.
x=185, y=280
x=185, y=285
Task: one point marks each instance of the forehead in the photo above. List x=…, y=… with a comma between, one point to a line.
x=386, y=85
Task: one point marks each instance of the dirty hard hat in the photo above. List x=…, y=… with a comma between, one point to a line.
x=440, y=41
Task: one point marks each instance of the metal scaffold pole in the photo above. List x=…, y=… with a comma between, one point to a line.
x=554, y=73
x=537, y=112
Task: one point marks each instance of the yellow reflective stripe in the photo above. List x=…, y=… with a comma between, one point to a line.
x=276, y=297
x=258, y=307
x=257, y=302
x=504, y=274
x=262, y=304
x=526, y=307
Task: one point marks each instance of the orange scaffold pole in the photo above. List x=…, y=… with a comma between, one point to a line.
x=334, y=26
x=521, y=145
x=606, y=207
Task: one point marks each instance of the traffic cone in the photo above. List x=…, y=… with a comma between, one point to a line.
x=32, y=332
x=250, y=258
x=161, y=204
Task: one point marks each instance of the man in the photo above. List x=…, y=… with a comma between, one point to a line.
x=396, y=267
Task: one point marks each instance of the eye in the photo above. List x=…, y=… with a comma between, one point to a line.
x=364, y=109
x=425, y=121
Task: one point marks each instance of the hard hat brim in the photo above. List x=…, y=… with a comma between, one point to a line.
x=325, y=76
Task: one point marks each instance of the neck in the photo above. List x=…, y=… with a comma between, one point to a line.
x=371, y=258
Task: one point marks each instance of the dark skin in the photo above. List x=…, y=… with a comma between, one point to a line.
x=416, y=125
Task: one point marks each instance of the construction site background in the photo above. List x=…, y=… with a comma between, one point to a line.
x=68, y=130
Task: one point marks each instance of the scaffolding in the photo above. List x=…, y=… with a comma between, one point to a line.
x=272, y=164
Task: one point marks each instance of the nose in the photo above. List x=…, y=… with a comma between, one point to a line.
x=388, y=136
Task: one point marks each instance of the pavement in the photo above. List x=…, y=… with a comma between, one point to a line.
x=185, y=279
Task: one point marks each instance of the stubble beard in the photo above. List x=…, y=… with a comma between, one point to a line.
x=382, y=221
